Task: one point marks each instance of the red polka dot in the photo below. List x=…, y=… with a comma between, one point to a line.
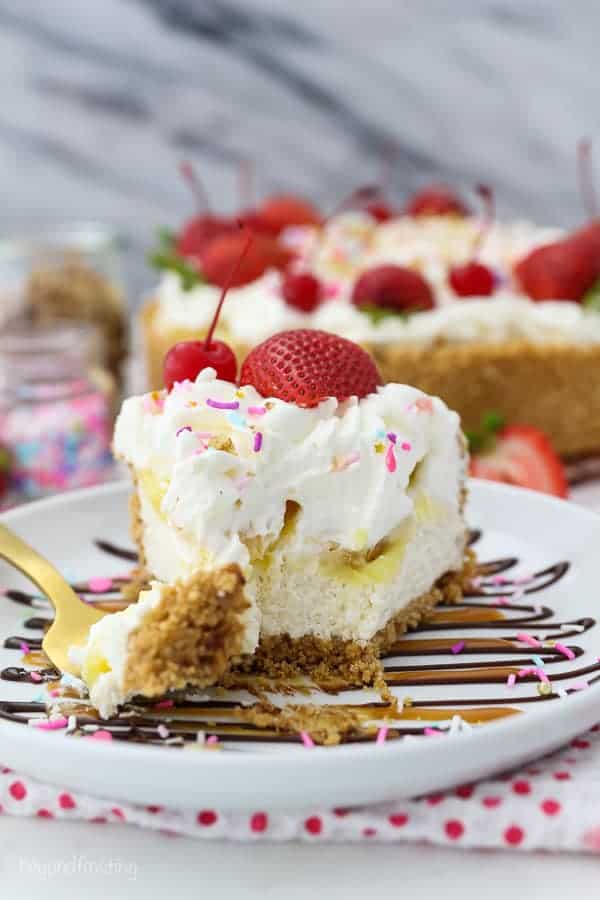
x=454, y=829
x=550, y=807
x=521, y=787
x=434, y=799
x=398, y=820
x=97, y=820
x=65, y=801
x=313, y=825
x=595, y=727
x=259, y=822
x=44, y=814
x=491, y=802
x=18, y=790
x=465, y=791
x=369, y=832
x=206, y=817
x=154, y=809
x=340, y=812
x=580, y=744
x=514, y=835
x=118, y=812
x=5, y=771
x=562, y=776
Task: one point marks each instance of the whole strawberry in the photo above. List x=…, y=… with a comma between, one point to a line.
x=563, y=270
x=394, y=288
x=306, y=366
x=221, y=254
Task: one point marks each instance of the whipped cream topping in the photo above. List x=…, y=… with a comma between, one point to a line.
x=222, y=463
x=352, y=243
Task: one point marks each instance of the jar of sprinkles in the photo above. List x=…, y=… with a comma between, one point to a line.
x=56, y=410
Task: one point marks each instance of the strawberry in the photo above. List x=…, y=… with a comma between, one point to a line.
x=197, y=234
x=436, y=200
x=392, y=287
x=306, y=366
x=563, y=270
x=221, y=254
x=521, y=455
x=302, y=290
x=282, y=210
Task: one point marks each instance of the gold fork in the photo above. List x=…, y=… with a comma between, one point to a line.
x=73, y=618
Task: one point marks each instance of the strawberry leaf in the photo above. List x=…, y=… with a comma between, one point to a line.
x=169, y=261
x=483, y=439
x=591, y=299
x=378, y=314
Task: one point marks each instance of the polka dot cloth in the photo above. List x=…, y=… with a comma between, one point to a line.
x=552, y=805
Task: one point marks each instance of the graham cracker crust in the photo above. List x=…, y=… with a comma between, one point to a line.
x=190, y=637
x=555, y=387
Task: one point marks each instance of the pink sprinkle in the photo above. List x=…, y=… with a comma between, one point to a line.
x=342, y=462
x=424, y=404
x=164, y=704
x=390, y=459
x=256, y=410
x=499, y=579
x=218, y=404
x=54, y=692
x=213, y=739
x=381, y=735
x=524, y=579
x=258, y=439
x=100, y=735
x=458, y=647
x=36, y=677
x=100, y=585
x=566, y=651
x=163, y=731
x=406, y=445
x=533, y=670
x=306, y=739
x=528, y=639
x=392, y=437
x=432, y=732
x=499, y=601
x=579, y=685
x=53, y=724
x=25, y=648
x=511, y=680
x=182, y=429
x=203, y=435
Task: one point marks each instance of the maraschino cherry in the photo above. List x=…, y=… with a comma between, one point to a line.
x=185, y=360
x=473, y=278
x=204, y=227
x=436, y=200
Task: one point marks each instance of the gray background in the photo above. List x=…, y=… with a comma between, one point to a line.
x=101, y=98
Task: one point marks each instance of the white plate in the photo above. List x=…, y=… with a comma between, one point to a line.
x=539, y=530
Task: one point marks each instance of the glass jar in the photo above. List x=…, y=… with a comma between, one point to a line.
x=56, y=410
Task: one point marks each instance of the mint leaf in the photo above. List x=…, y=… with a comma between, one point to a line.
x=591, y=299
x=170, y=261
x=492, y=421
x=484, y=438
x=166, y=239
x=378, y=313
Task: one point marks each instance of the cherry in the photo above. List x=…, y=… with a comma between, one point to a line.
x=393, y=287
x=283, y=210
x=302, y=290
x=473, y=278
x=380, y=210
x=185, y=360
x=436, y=200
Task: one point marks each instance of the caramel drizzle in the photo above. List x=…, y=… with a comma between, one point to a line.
x=229, y=720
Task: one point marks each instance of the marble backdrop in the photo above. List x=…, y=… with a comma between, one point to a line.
x=102, y=98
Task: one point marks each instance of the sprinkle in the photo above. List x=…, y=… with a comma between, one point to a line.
x=499, y=601
x=53, y=724
x=100, y=585
x=528, y=639
x=306, y=739
x=256, y=410
x=35, y=677
x=511, y=680
x=518, y=595
x=566, y=651
x=164, y=704
x=100, y=735
x=381, y=735
x=240, y=394
x=458, y=647
x=500, y=579
x=153, y=403
x=432, y=732
x=213, y=739
x=258, y=439
x=392, y=437
x=390, y=459
x=533, y=670
x=524, y=579
x=343, y=462
x=378, y=447
x=182, y=429
x=163, y=731
x=406, y=446
x=25, y=648
x=54, y=692
x=544, y=688
x=580, y=685
x=218, y=404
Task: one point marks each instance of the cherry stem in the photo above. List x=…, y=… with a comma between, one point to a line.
x=487, y=197
x=585, y=177
x=234, y=270
x=191, y=178
x=246, y=183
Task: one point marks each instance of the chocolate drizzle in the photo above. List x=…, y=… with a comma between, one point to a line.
x=496, y=610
